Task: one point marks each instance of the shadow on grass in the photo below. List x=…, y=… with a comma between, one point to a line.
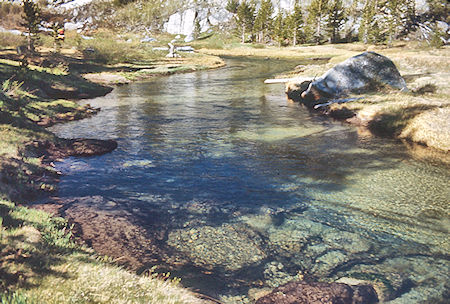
x=47, y=85
x=29, y=252
x=392, y=123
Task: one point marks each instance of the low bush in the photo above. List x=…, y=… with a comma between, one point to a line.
x=11, y=40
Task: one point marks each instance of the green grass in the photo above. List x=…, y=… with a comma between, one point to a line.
x=45, y=265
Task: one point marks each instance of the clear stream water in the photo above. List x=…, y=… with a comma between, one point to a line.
x=249, y=191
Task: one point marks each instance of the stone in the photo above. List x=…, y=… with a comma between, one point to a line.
x=347, y=241
x=364, y=72
x=74, y=4
x=320, y=292
x=89, y=147
x=189, y=38
x=148, y=39
x=326, y=263
x=172, y=52
x=188, y=49
x=219, y=17
x=230, y=247
x=181, y=23
x=274, y=274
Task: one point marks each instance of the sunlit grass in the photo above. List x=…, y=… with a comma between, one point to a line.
x=420, y=115
x=53, y=269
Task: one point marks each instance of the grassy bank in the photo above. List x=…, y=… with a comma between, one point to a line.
x=40, y=261
x=42, y=264
x=420, y=115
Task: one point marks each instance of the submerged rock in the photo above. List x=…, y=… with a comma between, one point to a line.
x=68, y=147
x=275, y=274
x=363, y=72
x=229, y=246
x=319, y=292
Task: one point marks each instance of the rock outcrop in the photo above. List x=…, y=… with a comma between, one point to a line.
x=319, y=292
x=364, y=72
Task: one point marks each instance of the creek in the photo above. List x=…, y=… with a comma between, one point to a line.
x=222, y=181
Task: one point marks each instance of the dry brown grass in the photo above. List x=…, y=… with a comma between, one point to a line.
x=431, y=128
x=301, y=52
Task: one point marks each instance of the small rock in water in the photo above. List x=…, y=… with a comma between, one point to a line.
x=229, y=246
x=350, y=242
x=275, y=276
x=320, y=292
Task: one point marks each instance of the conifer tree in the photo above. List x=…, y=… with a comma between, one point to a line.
x=279, y=28
x=336, y=18
x=317, y=12
x=197, y=28
x=32, y=19
x=439, y=10
x=263, y=20
x=245, y=16
x=393, y=18
x=232, y=6
x=369, y=31
x=353, y=16
x=294, y=24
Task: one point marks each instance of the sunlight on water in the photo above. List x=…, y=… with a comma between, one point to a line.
x=279, y=133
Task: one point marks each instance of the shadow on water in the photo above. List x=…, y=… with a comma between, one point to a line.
x=220, y=180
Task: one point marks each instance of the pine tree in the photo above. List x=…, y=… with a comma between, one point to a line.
x=439, y=10
x=232, y=6
x=279, y=33
x=353, y=16
x=317, y=11
x=197, y=28
x=393, y=18
x=336, y=19
x=263, y=19
x=32, y=19
x=245, y=16
x=369, y=31
x=294, y=24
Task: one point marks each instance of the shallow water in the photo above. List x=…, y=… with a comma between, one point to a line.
x=237, y=189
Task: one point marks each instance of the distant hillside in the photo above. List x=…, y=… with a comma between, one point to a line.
x=281, y=21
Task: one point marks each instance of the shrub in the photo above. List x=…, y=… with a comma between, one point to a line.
x=11, y=40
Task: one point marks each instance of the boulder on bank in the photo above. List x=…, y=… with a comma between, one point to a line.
x=320, y=292
x=364, y=72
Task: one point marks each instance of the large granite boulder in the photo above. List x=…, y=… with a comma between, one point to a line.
x=319, y=293
x=364, y=72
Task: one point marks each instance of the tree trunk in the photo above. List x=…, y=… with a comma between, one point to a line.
x=30, y=42
x=243, y=34
x=319, y=20
x=294, y=43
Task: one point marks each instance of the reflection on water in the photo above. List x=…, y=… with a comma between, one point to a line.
x=235, y=189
